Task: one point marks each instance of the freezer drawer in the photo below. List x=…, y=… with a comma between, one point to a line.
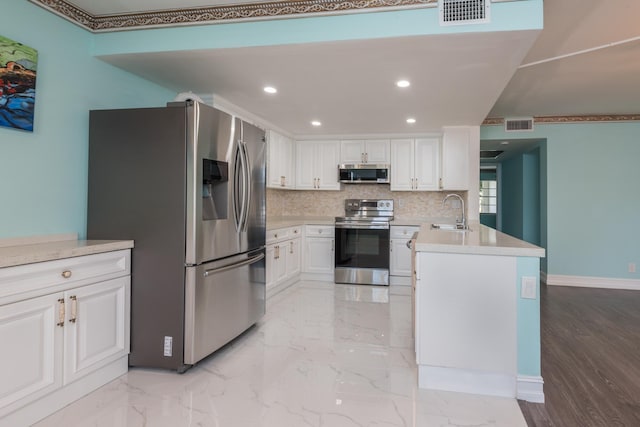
x=223, y=299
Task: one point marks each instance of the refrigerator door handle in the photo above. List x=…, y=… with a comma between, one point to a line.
x=238, y=202
x=251, y=260
x=245, y=186
x=247, y=180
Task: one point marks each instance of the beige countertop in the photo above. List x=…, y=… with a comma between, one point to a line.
x=292, y=221
x=18, y=252
x=479, y=240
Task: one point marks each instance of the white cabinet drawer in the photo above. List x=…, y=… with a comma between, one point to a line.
x=280, y=234
x=319, y=230
x=277, y=235
x=27, y=281
x=403, y=231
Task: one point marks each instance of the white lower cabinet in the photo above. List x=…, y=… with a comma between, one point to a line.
x=97, y=330
x=319, y=252
x=283, y=258
x=59, y=346
x=400, y=254
x=32, y=351
x=294, y=258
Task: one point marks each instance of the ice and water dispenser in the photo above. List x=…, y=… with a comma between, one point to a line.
x=215, y=188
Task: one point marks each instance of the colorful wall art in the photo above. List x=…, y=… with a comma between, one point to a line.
x=18, y=65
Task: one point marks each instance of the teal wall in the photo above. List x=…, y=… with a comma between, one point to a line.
x=43, y=175
x=528, y=319
x=511, y=197
x=520, y=197
x=531, y=197
x=592, y=200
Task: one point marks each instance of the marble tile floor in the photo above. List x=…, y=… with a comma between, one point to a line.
x=323, y=355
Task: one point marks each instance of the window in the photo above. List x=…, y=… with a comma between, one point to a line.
x=488, y=196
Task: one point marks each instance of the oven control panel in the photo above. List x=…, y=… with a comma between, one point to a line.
x=368, y=205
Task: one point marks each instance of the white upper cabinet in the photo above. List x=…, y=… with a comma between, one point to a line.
x=455, y=158
x=280, y=161
x=317, y=165
x=415, y=164
x=373, y=151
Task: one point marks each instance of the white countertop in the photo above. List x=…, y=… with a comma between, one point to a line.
x=480, y=240
x=31, y=252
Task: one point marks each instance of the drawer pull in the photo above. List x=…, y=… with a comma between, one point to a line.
x=66, y=274
x=60, y=312
x=74, y=308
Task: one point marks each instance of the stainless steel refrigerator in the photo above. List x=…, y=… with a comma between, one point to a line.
x=187, y=183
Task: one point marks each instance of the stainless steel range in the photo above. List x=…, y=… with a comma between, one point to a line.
x=362, y=242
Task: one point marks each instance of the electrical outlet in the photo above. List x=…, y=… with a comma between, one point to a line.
x=168, y=346
x=528, y=287
x=632, y=267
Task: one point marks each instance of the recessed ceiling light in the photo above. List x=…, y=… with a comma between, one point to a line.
x=411, y=120
x=403, y=83
x=504, y=143
x=316, y=123
x=270, y=89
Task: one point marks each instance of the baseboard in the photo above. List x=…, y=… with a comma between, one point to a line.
x=318, y=277
x=530, y=389
x=592, y=282
x=467, y=381
x=543, y=277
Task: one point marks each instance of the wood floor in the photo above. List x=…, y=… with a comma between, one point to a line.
x=590, y=359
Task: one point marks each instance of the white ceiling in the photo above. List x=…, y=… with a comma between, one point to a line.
x=585, y=61
x=350, y=86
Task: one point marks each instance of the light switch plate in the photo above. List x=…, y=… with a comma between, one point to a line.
x=528, y=287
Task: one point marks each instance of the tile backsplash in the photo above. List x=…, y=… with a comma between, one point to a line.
x=331, y=203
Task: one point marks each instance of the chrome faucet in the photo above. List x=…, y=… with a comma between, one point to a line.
x=462, y=222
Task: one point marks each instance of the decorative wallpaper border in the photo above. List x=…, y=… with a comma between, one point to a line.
x=217, y=14
x=572, y=119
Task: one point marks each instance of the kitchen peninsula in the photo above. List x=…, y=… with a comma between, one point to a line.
x=477, y=300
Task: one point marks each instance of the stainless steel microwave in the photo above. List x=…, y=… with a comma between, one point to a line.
x=364, y=174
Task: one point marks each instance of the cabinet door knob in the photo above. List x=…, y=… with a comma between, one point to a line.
x=66, y=274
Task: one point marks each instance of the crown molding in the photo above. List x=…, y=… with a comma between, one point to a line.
x=220, y=14
x=499, y=121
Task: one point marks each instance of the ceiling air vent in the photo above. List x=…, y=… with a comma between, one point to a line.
x=518, y=125
x=458, y=12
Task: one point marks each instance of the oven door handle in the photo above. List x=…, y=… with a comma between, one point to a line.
x=371, y=226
